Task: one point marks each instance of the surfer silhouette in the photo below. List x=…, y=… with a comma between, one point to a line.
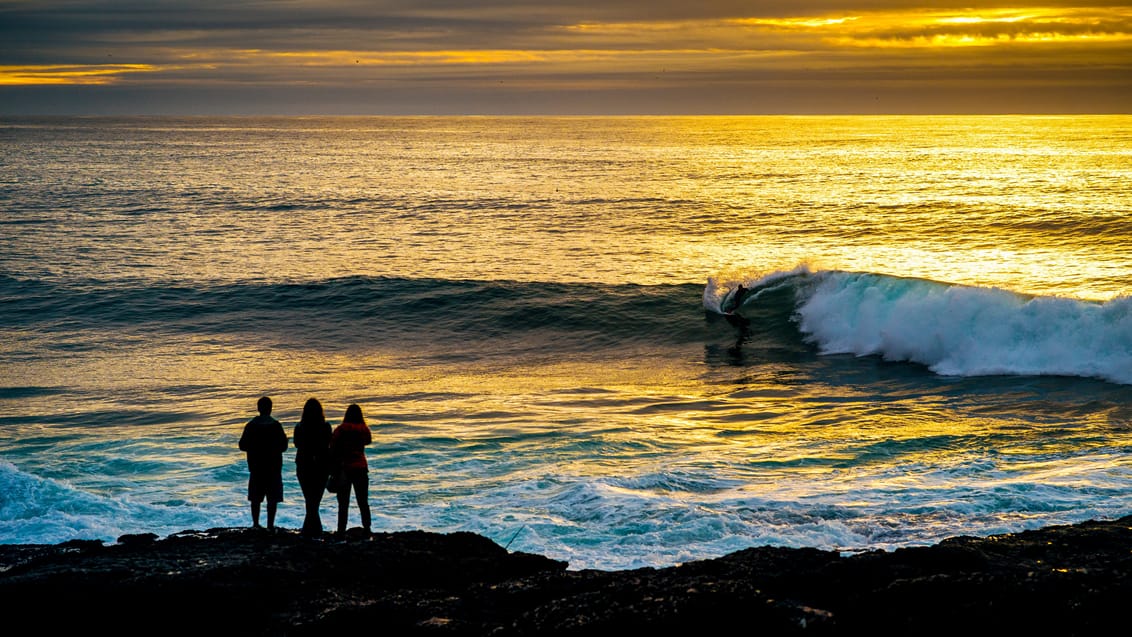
x=731, y=304
x=730, y=307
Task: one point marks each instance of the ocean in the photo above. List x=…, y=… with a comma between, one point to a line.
x=937, y=341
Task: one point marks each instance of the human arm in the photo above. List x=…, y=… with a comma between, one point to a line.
x=281, y=438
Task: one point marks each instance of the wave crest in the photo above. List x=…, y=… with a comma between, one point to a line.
x=960, y=330
x=954, y=330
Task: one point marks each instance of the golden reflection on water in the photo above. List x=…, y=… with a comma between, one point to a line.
x=1029, y=203
x=1033, y=204
x=995, y=201
x=643, y=408
x=643, y=415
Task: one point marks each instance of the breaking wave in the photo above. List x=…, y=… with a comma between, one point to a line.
x=954, y=330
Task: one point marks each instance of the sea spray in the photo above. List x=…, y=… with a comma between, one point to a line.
x=966, y=331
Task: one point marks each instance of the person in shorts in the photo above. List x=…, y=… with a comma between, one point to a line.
x=264, y=441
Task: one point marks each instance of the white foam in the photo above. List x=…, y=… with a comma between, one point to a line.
x=37, y=510
x=718, y=289
x=967, y=331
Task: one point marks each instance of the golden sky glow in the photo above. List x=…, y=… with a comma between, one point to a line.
x=727, y=52
x=69, y=74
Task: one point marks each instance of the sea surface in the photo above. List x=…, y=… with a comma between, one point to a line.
x=938, y=338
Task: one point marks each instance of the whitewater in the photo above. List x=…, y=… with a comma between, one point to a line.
x=953, y=330
x=937, y=338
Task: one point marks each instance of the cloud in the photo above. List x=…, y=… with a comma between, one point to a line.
x=570, y=45
x=68, y=74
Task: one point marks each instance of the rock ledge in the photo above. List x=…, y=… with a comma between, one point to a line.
x=1070, y=580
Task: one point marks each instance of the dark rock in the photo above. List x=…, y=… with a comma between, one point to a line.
x=81, y=545
x=1071, y=580
x=138, y=539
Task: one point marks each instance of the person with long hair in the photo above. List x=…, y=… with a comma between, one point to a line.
x=312, y=462
x=347, y=446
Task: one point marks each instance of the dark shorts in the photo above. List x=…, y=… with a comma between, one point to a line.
x=269, y=486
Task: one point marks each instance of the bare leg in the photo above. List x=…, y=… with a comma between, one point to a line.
x=255, y=514
x=271, y=506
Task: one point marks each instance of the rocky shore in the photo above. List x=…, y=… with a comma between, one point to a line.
x=1066, y=580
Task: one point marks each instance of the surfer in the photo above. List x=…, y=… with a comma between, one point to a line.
x=732, y=304
x=730, y=307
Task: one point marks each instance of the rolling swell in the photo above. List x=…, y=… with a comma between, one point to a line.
x=357, y=311
x=954, y=330
x=951, y=329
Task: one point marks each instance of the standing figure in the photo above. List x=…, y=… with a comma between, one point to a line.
x=347, y=446
x=731, y=304
x=742, y=324
x=264, y=441
x=312, y=461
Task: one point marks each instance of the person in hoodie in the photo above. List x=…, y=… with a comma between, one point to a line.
x=264, y=442
x=347, y=447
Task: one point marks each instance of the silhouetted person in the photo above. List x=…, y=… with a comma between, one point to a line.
x=312, y=461
x=737, y=320
x=264, y=441
x=347, y=445
x=736, y=299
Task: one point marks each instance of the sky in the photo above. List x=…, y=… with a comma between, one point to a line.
x=427, y=57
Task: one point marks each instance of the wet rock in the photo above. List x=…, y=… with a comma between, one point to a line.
x=1072, y=580
x=137, y=539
